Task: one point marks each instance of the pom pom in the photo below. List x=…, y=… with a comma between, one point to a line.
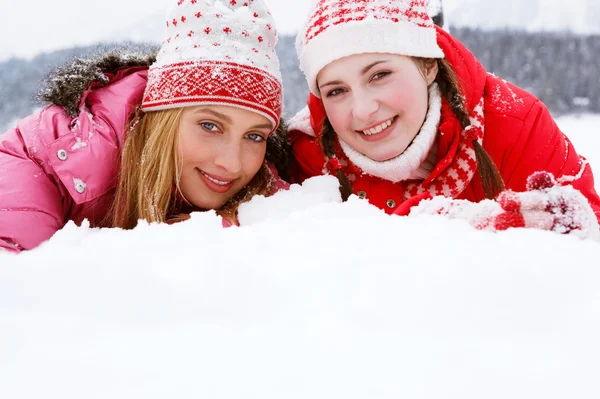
x=540, y=181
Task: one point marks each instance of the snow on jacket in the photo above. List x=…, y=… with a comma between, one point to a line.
x=62, y=163
x=516, y=129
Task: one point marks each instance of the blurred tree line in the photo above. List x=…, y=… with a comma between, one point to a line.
x=562, y=69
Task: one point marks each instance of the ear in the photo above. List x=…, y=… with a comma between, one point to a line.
x=431, y=72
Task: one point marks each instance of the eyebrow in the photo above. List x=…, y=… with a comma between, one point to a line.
x=228, y=119
x=368, y=67
x=220, y=115
x=262, y=126
x=362, y=72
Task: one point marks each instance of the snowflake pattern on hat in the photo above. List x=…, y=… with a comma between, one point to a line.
x=339, y=28
x=217, y=52
x=331, y=13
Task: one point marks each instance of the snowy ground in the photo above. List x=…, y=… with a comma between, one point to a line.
x=311, y=299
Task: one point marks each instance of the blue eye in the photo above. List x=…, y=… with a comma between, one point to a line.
x=211, y=127
x=256, y=137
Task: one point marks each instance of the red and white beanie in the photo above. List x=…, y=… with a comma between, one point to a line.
x=219, y=52
x=339, y=28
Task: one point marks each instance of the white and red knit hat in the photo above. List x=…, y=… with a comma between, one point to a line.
x=339, y=28
x=217, y=52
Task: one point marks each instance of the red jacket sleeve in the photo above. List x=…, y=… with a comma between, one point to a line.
x=542, y=146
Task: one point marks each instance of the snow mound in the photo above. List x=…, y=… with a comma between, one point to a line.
x=318, y=300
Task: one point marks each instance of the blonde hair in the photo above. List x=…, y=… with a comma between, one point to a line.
x=150, y=166
x=150, y=173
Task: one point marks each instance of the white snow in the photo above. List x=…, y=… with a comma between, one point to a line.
x=312, y=299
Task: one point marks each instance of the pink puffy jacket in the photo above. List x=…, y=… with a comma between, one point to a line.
x=61, y=163
x=56, y=168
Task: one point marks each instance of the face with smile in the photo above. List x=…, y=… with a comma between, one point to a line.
x=222, y=149
x=376, y=102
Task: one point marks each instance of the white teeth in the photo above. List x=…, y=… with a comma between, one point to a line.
x=219, y=182
x=378, y=129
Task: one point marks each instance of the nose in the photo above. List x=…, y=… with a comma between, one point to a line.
x=229, y=157
x=364, y=106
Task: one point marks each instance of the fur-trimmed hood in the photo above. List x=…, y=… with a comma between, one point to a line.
x=66, y=85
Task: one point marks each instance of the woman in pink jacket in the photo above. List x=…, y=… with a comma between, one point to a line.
x=124, y=140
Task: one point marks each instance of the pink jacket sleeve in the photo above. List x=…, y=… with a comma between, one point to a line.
x=31, y=205
x=39, y=186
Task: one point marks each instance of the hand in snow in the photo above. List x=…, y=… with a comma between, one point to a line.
x=545, y=205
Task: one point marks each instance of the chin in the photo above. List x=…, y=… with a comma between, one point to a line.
x=209, y=204
x=385, y=156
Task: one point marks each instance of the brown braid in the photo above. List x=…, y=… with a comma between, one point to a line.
x=450, y=89
x=449, y=85
x=328, y=144
x=492, y=181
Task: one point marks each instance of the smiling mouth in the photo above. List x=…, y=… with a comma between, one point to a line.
x=380, y=128
x=217, y=182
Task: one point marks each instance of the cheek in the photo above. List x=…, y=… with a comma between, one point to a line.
x=338, y=116
x=403, y=99
x=413, y=96
x=184, y=145
x=195, y=149
x=254, y=157
x=412, y=108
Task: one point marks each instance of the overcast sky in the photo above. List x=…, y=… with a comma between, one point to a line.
x=30, y=27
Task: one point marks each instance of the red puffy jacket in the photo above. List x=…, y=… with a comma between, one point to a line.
x=520, y=136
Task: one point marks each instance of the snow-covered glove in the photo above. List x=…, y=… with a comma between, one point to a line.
x=545, y=205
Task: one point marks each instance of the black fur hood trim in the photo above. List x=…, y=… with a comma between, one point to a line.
x=66, y=85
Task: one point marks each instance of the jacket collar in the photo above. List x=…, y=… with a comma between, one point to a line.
x=68, y=85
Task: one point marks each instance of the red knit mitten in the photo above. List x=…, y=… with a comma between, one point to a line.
x=545, y=205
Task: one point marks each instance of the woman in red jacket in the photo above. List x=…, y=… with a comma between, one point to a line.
x=400, y=111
